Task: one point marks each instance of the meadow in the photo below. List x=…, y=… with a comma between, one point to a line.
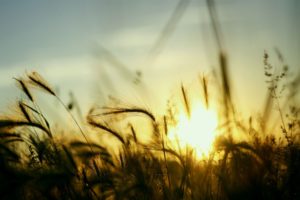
x=91, y=157
x=249, y=159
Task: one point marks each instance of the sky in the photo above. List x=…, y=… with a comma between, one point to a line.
x=102, y=48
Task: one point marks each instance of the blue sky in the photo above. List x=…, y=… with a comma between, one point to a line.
x=66, y=42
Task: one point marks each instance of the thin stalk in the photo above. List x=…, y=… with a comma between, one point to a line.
x=75, y=121
x=163, y=145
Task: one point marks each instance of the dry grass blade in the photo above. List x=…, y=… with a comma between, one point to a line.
x=37, y=112
x=29, y=107
x=133, y=133
x=70, y=157
x=186, y=103
x=24, y=111
x=24, y=88
x=222, y=58
x=163, y=146
x=9, y=135
x=86, y=154
x=267, y=110
x=79, y=144
x=11, y=123
x=225, y=77
x=96, y=168
x=167, y=30
x=130, y=110
x=215, y=23
x=38, y=80
x=174, y=153
x=13, y=140
x=105, y=128
x=205, y=91
x=165, y=125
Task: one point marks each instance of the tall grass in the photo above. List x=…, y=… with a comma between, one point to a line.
x=36, y=163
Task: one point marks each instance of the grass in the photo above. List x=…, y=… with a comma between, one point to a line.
x=36, y=162
x=251, y=159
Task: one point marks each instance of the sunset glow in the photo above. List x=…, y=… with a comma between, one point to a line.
x=197, y=132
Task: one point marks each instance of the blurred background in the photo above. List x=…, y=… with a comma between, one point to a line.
x=140, y=51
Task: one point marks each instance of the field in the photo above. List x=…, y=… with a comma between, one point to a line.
x=197, y=149
x=248, y=160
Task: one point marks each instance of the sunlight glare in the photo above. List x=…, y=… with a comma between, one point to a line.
x=197, y=132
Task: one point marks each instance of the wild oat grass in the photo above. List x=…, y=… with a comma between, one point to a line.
x=36, y=163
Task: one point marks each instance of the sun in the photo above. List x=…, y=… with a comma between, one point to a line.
x=196, y=131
